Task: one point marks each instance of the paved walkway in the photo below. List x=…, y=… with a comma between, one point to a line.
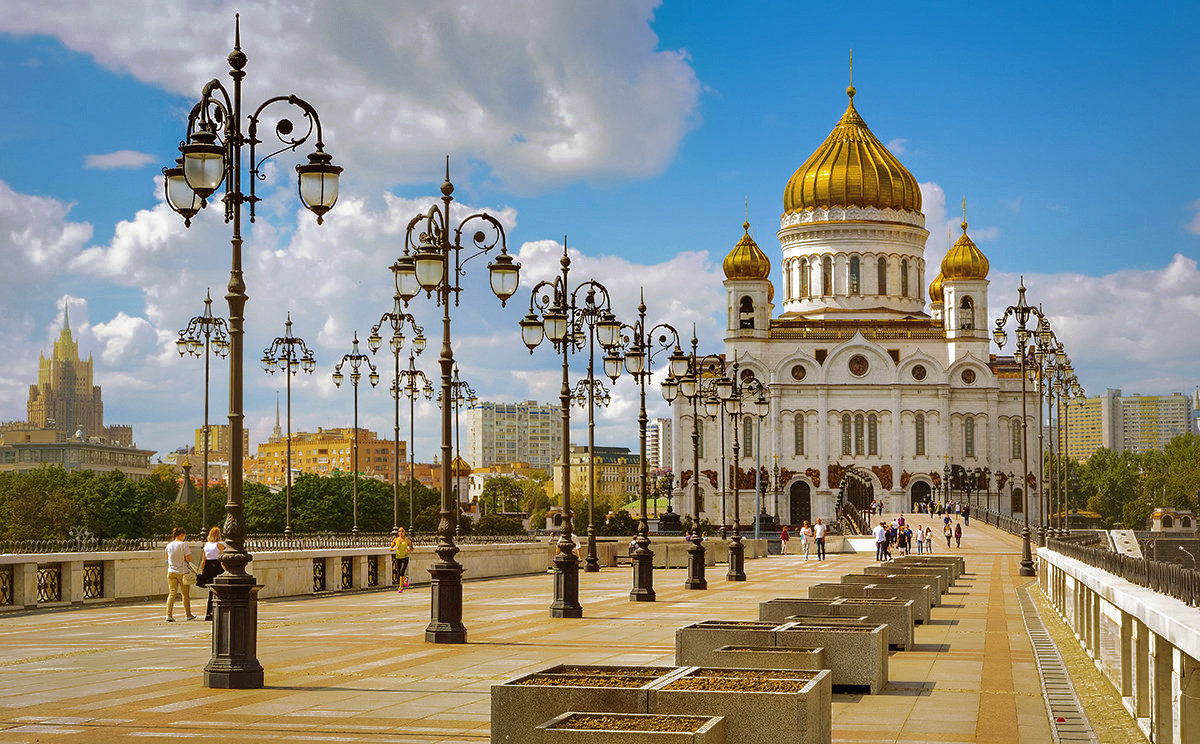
x=356, y=668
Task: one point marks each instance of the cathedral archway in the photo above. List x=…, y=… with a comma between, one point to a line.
x=858, y=489
x=1017, y=505
x=799, y=503
x=921, y=492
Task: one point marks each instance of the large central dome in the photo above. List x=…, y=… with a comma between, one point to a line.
x=852, y=168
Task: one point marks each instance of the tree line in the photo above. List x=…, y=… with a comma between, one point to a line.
x=1124, y=488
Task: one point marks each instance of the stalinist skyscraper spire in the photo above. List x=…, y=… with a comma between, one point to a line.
x=277, y=432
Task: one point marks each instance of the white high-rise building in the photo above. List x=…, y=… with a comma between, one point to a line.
x=499, y=433
x=659, y=444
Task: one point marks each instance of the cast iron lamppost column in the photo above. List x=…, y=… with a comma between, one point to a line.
x=398, y=320
x=355, y=359
x=762, y=404
x=587, y=392
x=1043, y=347
x=406, y=384
x=215, y=335
x=733, y=405
x=556, y=312
x=1021, y=313
x=693, y=386
x=640, y=347
x=460, y=392
x=289, y=354
x=212, y=154
x=433, y=262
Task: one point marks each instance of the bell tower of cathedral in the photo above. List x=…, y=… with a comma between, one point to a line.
x=748, y=289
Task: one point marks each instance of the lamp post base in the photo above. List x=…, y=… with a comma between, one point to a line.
x=1026, y=555
x=737, y=559
x=695, y=574
x=445, y=611
x=643, y=575
x=566, y=587
x=234, y=665
x=591, y=564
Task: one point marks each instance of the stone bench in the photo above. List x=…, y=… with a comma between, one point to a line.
x=897, y=614
x=936, y=578
x=934, y=598
x=918, y=595
x=629, y=728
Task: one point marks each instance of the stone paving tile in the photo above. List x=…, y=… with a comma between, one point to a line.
x=355, y=667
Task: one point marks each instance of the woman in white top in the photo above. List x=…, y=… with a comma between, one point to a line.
x=210, y=567
x=805, y=537
x=179, y=556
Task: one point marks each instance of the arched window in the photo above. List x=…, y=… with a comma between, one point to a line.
x=804, y=278
x=904, y=277
x=854, y=274
x=1167, y=522
x=746, y=313
x=858, y=434
x=966, y=315
x=969, y=436
x=1018, y=501
x=799, y=429
x=827, y=275
x=787, y=281
x=920, y=424
x=1185, y=522
x=881, y=279
x=1016, y=439
x=845, y=433
x=748, y=435
x=872, y=434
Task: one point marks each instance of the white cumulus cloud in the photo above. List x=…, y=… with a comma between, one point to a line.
x=119, y=160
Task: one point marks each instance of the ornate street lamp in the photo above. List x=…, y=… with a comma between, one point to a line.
x=289, y=354
x=356, y=359
x=411, y=383
x=588, y=392
x=205, y=334
x=212, y=155
x=558, y=313
x=1043, y=357
x=398, y=321
x=433, y=261
x=740, y=396
x=701, y=379
x=638, y=348
x=460, y=392
x=1021, y=312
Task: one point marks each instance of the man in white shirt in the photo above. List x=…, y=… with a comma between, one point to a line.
x=819, y=538
x=880, y=540
x=179, y=555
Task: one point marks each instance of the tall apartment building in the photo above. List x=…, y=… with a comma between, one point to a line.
x=500, y=433
x=1134, y=423
x=660, y=442
x=323, y=452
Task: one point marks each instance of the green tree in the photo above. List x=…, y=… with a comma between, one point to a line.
x=496, y=524
x=501, y=493
x=620, y=523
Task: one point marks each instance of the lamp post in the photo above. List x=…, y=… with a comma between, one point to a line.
x=289, y=354
x=740, y=394
x=703, y=380
x=212, y=335
x=1076, y=393
x=1043, y=353
x=776, y=486
x=398, y=321
x=762, y=406
x=1021, y=313
x=587, y=392
x=460, y=392
x=407, y=384
x=557, y=312
x=640, y=346
x=433, y=262
x=356, y=360
x=212, y=155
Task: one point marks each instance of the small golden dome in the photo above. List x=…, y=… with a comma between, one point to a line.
x=852, y=168
x=746, y=260
x=965, y=260
x=936, y=295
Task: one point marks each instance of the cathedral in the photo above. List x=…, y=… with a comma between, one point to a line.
x=877, y=389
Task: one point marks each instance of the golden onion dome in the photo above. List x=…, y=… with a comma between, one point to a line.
x=852, y=168
x=936, y=295
x=746, y=260
x=965, y=260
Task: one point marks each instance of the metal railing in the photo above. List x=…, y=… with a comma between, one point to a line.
x=1170, y=579
x=254, y=543
x=85, y=544
x=1005, y=522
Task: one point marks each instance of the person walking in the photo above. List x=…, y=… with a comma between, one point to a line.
x=949, y=533
x=819, y=538
x=179, y=556
x=967, y=515
x=880, y=540
x=958, y=535
x=783, y=540
x=401, y=546
x=920, y=537
x=806, y=533
x=210, y=566
x=929, y=540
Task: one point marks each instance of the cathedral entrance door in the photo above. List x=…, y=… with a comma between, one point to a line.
x=921, y=493
x=799, y=503
x=858, y=489
x=1017, y=505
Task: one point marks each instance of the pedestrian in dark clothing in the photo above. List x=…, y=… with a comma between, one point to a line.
x=958, y=535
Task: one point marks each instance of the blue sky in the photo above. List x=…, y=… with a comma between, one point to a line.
x=638, y=130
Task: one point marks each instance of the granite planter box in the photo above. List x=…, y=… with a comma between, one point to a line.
x=759, y=657
x=630, y=728
x=522, y=704
x=897, y=614
x=855, y=654
x=907, y=567
x=935, y=578
x=759, y=706
x=918, y=595
x=692, y=641
x=933, y=597
x=956, y=562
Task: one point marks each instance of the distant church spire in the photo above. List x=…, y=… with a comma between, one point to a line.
x=277, y=432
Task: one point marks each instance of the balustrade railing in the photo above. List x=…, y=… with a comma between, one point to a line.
x=1171, y=579
x=254, y=543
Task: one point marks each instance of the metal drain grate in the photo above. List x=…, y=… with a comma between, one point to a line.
x=1067, y=718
